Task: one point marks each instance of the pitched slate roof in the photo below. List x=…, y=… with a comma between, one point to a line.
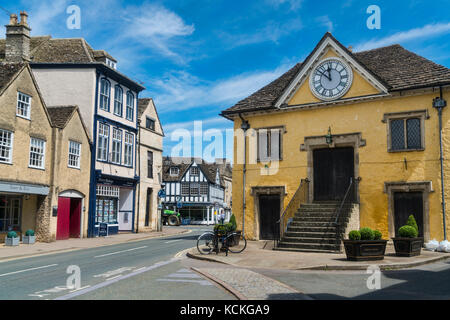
x=7, y=72
x=60, y=115
x=393, y=65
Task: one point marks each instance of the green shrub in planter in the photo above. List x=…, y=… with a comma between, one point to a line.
x=233, y=222
x=29, y=233
x=367, y=234
x=408, y=232
x=412, y=222
x=377, y=235
x=11, y=234
x=354, y=235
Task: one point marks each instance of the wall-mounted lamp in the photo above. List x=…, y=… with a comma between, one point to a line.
x=329, y=136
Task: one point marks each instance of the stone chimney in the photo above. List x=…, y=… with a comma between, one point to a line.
x=350, y=48
x=17, y=39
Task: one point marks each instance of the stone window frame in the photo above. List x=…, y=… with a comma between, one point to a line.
x=404, y=115
x=37, y=153
x=426, y=187
x=265, y=190
x=283, y=131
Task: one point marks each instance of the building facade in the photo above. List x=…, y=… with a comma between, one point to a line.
x=194, y=188
x=107, y=101
x=337, y=117
x=150, y=144
x=34, y=151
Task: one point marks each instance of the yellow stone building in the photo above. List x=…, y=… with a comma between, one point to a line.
x=343, y=127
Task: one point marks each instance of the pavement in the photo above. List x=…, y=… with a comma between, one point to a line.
x=259, y=255
x=41, y=248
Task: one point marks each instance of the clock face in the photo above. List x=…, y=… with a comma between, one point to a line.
x=331, y=79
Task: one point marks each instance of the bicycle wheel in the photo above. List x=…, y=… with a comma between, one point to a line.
x=236, y=242
x=205, y=243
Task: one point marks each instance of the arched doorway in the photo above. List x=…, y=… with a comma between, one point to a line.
x=69, y=223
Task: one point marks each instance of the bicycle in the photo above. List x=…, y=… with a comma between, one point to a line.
x=231, y=241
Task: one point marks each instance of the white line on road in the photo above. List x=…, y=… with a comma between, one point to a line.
x=117, y=252
x=171, y=241
x=107, y=283
x=201, y=282
x=31, y=269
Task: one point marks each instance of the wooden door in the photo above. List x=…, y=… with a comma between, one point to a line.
x=406, y=204
x=63, y=222
x=333, y=169
x=269, y=214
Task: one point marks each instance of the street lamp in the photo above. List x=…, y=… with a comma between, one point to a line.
x=329, y=136
x=439, y=104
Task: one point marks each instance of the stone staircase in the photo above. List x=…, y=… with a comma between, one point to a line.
x=313, y=228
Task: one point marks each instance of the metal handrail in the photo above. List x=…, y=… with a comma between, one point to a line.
x=278, y=234
x=344, y=200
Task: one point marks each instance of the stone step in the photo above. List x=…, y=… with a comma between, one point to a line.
x=316, y=235
x=311, y=229
x=317, y=214
x=311, y=224
x=310, y=240
x=310, y=246
x=319, y=219
x=304, y=250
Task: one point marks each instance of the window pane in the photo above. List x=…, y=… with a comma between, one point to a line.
x=397, y=134
x=414, y=134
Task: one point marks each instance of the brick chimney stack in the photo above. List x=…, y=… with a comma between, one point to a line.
x=17, y=39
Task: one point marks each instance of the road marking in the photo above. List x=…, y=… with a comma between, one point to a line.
x=122, y=251
x=114, y=277
x=171, y=241
x=110, y=282
x=31, y=269
x=80, y=289
x=109, y=274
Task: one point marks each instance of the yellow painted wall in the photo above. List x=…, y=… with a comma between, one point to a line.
x=376, y=165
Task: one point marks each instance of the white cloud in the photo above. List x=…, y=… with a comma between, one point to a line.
x=43, y=15
x=273, y=31
x=326, y=22
x=156, y=27
x=428, y=31
x=181, y=90
x=294, y=4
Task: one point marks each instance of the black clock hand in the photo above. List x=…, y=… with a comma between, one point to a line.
x=329, y=73
x=323, y=73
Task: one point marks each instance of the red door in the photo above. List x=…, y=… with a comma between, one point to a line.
x=62, y=230
x=75, y=218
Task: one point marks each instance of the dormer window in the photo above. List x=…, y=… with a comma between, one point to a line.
x=111, y=63
x=23, y=105
x=174, y=171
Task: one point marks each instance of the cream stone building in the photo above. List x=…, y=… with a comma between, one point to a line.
x=38, y=169
x=150, y=148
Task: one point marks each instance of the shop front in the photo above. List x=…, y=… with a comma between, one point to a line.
x=19, y=203
x=115, y=205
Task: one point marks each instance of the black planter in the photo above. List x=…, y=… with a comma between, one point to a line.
x=408, y=247
x=365, y=250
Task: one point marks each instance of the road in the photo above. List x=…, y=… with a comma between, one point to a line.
x=428, y=282
x=145, y=269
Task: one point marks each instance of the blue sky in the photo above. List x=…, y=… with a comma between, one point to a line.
x=199, y=57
